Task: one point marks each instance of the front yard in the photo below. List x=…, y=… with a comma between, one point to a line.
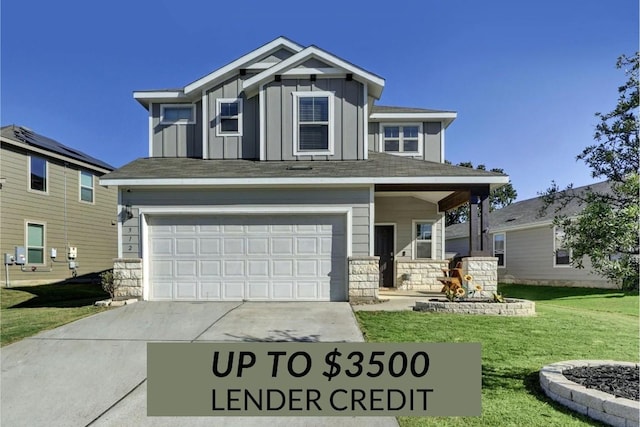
x=571, y=323
x=25, y=311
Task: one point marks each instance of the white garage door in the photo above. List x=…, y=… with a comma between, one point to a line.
x=250, y=257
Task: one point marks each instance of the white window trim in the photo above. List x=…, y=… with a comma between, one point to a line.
x=555, y=265
x=80, y=187
x=400, y=139
x=219, y=102
x=44, y=241
x=179, y=122
x=504, y=250
x=46, y=175
x=296, y=127
x=414, y=239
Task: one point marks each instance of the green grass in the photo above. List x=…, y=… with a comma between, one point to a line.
x=571, y=323
x=25, y=311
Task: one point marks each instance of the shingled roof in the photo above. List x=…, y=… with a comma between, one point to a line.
x=378, y=165
x=29, y=137
x=525, y=213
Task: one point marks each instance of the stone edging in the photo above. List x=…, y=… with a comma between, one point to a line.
x=615, y=411
x=511, y=307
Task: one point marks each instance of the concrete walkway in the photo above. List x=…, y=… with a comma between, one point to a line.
x=93, y=371
x=396, y=300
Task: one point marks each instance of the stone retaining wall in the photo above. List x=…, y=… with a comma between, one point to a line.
x=130, y=271
x=364, y=278
x=420, y=274
x=615, y=411
x=511, y=307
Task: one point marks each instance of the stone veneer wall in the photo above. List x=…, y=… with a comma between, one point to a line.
x=484, y=271
x=364, y=278
x=420, y=274
x=130, y=270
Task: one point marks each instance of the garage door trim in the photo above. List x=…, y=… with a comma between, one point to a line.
x=145, y=212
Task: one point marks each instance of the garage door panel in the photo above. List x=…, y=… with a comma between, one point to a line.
x=259, y=257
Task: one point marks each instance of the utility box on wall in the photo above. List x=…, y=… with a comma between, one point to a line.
x=21, y=255
x=73, y=252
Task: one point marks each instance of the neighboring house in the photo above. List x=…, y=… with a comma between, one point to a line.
x=529, y=247
x=51, y=199
x=276, y=177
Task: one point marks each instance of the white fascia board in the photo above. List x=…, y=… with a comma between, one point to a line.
x=444, y=116
x=210, y=78
x=303, y=181
x=146, y=98
x=376, y=83
x=539, y=224
x=38, y=150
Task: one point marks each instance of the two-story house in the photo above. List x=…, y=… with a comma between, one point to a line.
x=51, y=200
x=277, y=177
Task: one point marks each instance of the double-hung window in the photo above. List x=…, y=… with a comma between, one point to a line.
x=229, y=117
x=423, y=238
x=499, y=248
x=180, y=114
x=313, y=123
x=403, y=139
x=35, y=243
x=561, y=254
x=38, y=174
x=86, y=186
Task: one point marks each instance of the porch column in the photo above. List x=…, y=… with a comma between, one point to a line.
x=479, y=223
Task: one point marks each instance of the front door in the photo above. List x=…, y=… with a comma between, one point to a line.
x=383, y=247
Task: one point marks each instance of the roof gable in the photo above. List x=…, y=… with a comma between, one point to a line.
x=374, y=83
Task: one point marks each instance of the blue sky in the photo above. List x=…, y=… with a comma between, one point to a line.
x=525, y=77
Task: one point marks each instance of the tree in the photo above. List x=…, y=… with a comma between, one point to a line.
x=498, y=198
x=606, y=230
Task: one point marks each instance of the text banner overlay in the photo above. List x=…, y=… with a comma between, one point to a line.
x=314, y=379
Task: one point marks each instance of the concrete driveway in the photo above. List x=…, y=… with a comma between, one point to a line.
x=93, y=371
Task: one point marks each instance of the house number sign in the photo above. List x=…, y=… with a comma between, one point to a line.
x=314, y=379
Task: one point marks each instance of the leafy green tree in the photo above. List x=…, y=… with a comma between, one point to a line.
x=606, y=231
x=498, y=198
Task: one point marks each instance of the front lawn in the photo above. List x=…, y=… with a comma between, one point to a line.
x=571, y=323
x=25, y=311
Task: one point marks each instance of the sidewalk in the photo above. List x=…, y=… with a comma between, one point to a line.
x=397, y=300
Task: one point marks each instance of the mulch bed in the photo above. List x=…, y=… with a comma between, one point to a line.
x=621, y=381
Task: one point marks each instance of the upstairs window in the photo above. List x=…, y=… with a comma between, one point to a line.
x=313, y=123
x=423, y=239
x=562, y=255
x=38, y=174
x=35, y=243
x=180, y=114
x=402, y=139
x=229, y=117
x=499, y=248
x=86, y=186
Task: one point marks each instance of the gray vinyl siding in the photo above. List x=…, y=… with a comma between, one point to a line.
x=176, y=140
x=431, y=139
x=402, y=211
x=355, y=198
x=529, y=256
x=88, y=226
x=349, y=136
x=234, y=147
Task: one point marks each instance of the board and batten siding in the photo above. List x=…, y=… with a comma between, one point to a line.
x=530, y=257
x=431, y=139
x=349, y=136
x=176, y=140
x=89, y=227
x=402, y=211
x=355, y=198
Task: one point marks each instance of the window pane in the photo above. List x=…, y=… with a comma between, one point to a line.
x=410, y=131
x=86, y=194
x=498, y=242
x=35, y=256
x=392, y=145
x=500, y=259
x=35, y=235
x=313, y=109
x=562, y=257
x=228, y=125
x=229, y=109
x=86, y=179
x=423, y=231
x=423, y=249
x=391, y=132
x=410, y=145
x=174, y=114
x=314, y=137
x=38, y=174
